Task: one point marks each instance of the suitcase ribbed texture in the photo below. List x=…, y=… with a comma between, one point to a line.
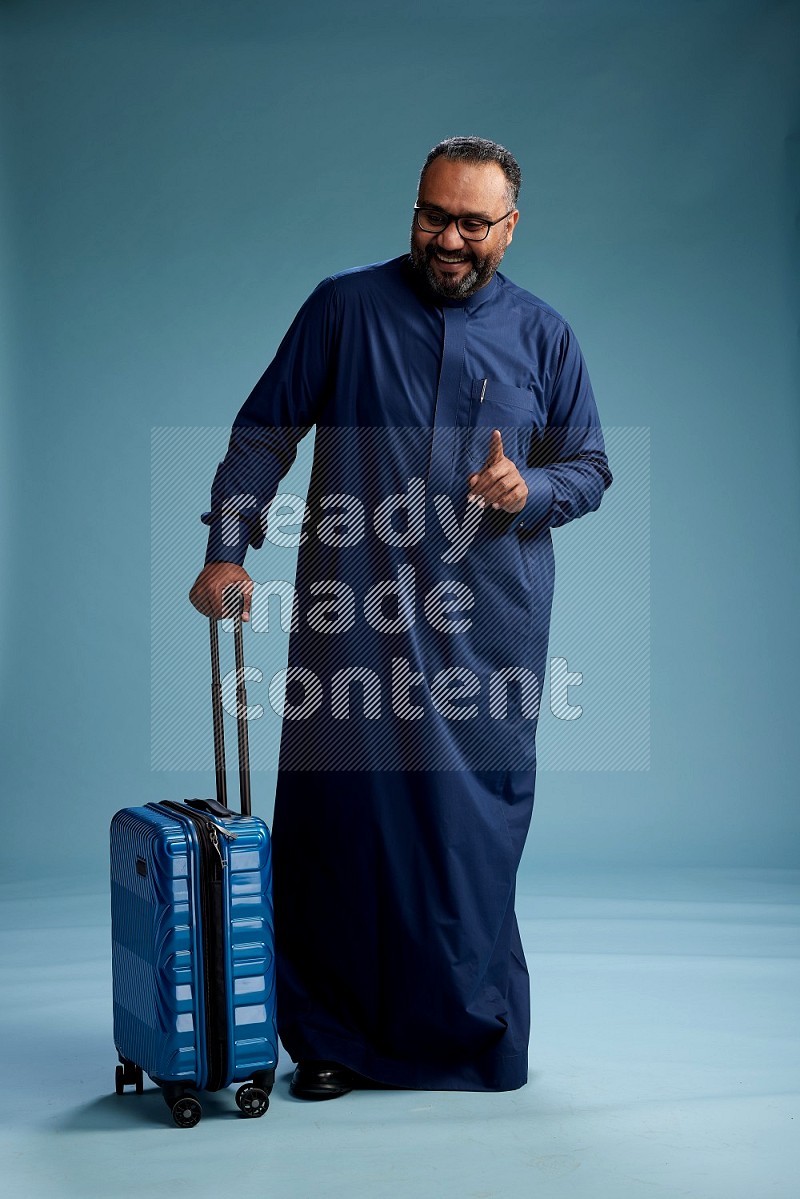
x=158, y=1004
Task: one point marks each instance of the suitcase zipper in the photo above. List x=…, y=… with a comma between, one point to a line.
x=213, y=831
x=212, y=913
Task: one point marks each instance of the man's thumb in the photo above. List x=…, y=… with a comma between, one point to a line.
x=247, y=598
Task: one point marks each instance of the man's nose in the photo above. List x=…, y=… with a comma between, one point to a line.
x=450, y=238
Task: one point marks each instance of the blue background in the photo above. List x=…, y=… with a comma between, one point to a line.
x=178, y=177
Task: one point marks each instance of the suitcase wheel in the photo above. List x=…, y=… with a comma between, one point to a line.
x=186, y=1111
x=128, y=1074
x=252, y=1101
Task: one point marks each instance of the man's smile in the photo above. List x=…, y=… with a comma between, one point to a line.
x=449, y=260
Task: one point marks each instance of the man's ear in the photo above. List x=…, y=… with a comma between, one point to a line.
x=512, y=220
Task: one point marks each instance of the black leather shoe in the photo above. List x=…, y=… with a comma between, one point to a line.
x=321, y=1080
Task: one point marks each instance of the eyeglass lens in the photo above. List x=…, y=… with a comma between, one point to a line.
x=431, y=220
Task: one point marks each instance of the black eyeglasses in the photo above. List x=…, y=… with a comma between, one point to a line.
x=471, y=228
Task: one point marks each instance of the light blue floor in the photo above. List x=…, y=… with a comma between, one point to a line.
x=664, y=1062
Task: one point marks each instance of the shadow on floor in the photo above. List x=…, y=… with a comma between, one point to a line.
x=116, y=1112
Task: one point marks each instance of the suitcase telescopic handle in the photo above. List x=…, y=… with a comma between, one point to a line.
x=241, y=713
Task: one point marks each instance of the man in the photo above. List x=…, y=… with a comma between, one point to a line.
x=455, y=425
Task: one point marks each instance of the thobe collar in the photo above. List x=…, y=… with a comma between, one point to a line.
x=429, y=296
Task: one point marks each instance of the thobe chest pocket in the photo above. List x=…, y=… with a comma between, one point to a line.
x=515, y=411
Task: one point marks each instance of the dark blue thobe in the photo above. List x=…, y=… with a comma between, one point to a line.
x=418, y=648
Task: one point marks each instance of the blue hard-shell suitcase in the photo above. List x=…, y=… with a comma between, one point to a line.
x=192, y=938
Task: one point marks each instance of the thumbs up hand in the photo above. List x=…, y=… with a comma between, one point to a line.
x=498, y=482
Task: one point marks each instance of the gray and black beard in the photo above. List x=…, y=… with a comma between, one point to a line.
x=456, y=289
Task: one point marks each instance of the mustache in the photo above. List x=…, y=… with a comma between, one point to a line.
x=431, y=250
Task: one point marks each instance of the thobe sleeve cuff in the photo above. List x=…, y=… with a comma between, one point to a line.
x=538, y=505
x=226, y=544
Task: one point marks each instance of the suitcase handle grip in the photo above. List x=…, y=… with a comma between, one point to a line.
x=241, y=714
x=211, y=807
